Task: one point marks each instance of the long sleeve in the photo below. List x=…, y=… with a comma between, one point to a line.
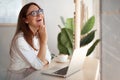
x=28, y=54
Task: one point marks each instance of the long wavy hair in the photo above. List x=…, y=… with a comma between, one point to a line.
x=23, y=27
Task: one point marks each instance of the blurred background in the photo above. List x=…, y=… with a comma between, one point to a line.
x=107, y=25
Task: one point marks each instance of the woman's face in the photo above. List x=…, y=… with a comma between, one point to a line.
x=34, y=17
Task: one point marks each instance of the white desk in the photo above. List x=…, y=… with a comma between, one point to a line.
x=90, y=72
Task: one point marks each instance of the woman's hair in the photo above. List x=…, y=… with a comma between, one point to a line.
x=23, y=27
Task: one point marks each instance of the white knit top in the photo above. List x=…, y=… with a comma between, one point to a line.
x=24, y=56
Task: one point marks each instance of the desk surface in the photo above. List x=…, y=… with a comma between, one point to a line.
x=90, y=71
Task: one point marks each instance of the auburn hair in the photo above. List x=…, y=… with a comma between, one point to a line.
x=23, y=27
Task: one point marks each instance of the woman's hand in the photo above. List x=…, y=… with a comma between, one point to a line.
x=42, y=34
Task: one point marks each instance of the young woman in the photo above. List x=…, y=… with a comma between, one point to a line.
x=29, y=51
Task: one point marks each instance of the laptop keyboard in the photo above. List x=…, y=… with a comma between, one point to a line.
x=62, y=71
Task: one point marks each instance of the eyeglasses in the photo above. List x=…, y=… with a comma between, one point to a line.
x=35, y=13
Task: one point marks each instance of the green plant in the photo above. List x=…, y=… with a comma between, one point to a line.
x=65, y=37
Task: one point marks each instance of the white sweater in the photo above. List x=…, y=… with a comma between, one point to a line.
x=24, y=56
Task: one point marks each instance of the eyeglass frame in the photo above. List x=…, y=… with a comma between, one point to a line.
x=35, y=13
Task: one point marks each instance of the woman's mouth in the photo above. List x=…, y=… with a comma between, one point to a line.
x=39, y=20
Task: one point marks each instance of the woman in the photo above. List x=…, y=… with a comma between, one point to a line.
x=29, y=51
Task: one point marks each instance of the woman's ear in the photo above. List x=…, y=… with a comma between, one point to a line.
x=25, y=20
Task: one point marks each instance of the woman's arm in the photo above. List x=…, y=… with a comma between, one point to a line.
x=42, y=54
x=28, y=54
x=43, y=42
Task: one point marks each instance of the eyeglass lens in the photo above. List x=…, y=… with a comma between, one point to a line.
x=35, y=13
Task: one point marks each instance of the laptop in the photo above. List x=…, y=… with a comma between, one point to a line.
x=74, y=66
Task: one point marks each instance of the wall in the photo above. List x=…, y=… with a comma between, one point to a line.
x=110, y=22
x=53, y=10
x=6, y=34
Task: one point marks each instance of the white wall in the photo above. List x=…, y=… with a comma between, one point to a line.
x=53, y=10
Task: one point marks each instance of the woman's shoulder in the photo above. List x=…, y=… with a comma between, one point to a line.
x=20, y=34
x=19, y=40
x=19, y=37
